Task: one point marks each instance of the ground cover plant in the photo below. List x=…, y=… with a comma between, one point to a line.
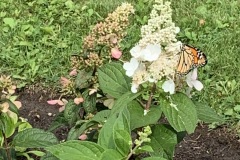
x=98, y=80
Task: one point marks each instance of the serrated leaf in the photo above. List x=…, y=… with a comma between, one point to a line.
x=34, y=138
x=163, y=141
x=112, y=80
x=76, y=150
x=122, y=141
x=207, y=114
x=138, y=119
x=180, y=112
x=111, y=154
x=114, y=122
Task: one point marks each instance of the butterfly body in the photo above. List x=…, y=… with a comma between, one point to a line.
x=190, y=58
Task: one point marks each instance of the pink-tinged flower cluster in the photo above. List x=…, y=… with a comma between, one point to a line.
x=7, y=89
x=109, y=34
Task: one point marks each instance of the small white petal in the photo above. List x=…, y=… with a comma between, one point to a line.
x=198, y=85
x=136, y=51
x=189, y=81
x=177, y=30
x=192, y=80
x=134, y=88
x=169, y=86
x=194, y=74
x=131, y=66
x=151, y=52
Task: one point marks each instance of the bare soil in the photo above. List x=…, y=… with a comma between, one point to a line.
x=204, y=144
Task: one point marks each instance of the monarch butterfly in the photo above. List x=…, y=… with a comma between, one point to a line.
x=190, y=58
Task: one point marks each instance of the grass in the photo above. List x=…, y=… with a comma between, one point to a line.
x=37, y=39
x=218, y=39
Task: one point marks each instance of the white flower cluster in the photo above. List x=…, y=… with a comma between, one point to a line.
x=156, y=55
x=160, y=28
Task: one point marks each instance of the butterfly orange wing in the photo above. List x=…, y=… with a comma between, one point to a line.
x=190, y=58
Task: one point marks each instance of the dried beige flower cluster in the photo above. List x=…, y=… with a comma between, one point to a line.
x=156, y=55
x=7, y=89
x=111, y=31
x=105, y=35
x=6, y=86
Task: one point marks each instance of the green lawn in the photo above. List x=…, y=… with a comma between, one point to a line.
x=37, y=39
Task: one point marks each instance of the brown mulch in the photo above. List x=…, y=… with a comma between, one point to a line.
x=203, y=144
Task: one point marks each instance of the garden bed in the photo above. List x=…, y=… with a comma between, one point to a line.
x=204, y=144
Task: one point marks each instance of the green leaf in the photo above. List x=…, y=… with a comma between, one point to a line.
x=90, y=12
x=122, y=141
x=47, y=30
x=23, y=125
x=34, y=138
x=237, y=108
x=123, y=101
x=114, y=122
x=89, y=103
x=1, y=139
x=143, y=149
x=207, y=114
x=12, y=106
x=10, y=154
x=71, y=112
x=37, y=153
x=112, y=80
x=58, y=121
x=76, y=150
x=111, y=154
x=49, y=156
x=82, y=79
x=228, y=112
x=76, y=131
x=105, y=138
x=138, y=119
x=180, y=112
x=69, y=4
x=8, y=125
x=163, y=141
x=101, y=116
x=10, y=21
